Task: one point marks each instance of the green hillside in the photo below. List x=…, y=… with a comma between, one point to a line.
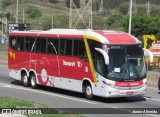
x=41, y=13
x=42, y=21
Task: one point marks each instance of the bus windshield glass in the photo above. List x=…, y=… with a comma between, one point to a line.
x=126, y=63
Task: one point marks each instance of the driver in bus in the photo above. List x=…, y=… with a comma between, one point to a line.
x=13, y=43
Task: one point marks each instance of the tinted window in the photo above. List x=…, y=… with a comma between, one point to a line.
x=41, y=45
x=69, y=47
x=29, y=44
x=38, y=45
x=97, y=57
x=79, y=49
x=52, y=46
x=62, y=47
x=13, y=40
x=66, y=47
x=21, y=43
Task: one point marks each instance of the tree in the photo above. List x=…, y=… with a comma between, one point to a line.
x=124, y=8
x=113, y=19
x=142, y=24
x=6, y=3
x=33, y=12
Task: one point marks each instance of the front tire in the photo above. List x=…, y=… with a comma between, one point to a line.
x=33, y=81
x=88, y=92
x=25, y=80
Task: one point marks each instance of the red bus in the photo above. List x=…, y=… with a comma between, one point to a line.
x=94, y=62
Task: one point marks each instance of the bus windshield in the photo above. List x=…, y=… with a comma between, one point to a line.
x=126, y=63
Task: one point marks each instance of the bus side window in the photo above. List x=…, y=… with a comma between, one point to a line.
x=75, y=48
x=43, y=45
x=38, y=45
x=31, y=44
x=52, y=46
x=13, y=43
x=69, y=47
x=62, y=47
x=26, y=44
x=82, y=50
x=22, y=43
x=79, y=49
x=98, y=59
x=18, y=43
x=66, y=47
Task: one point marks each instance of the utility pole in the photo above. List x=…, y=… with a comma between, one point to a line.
x=17, y=13
x=23, y=12
x=52, y=22
x=148, y=8
x=130, y=17
x=101, y=6
x=23, y=15
x=6, y=25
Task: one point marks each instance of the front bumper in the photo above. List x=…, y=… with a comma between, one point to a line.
x=126, y=91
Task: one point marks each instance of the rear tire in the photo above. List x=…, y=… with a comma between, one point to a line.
x=88, y=91
x=25, y=80
x=33, y=81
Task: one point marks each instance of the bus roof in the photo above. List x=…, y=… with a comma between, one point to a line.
x=103, y=36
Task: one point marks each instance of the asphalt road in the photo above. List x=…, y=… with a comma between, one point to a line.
x=56, y=98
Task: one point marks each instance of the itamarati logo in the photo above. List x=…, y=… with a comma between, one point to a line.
x=12, y=55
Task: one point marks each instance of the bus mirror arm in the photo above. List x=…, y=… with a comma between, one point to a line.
x=151, y=56
x=105, y=55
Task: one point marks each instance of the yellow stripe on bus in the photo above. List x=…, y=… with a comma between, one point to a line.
x=92, y=38
x=90, y=59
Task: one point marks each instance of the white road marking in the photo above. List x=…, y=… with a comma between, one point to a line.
x=115, y=107
x=46, y=93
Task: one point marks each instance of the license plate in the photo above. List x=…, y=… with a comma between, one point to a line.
x=129, y=93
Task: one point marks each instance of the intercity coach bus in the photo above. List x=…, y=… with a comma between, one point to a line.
x=94, y=62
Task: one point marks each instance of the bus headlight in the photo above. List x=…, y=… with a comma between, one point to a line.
x=109, y=84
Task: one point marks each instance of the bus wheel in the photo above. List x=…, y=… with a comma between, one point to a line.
x=159, y=84
x=88, y=91
x=33, y=81
x=25, y=79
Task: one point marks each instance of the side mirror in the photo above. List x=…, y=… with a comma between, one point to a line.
x=151, y=56
x=105, y=55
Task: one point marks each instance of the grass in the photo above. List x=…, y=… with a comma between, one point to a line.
x=7, y=102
